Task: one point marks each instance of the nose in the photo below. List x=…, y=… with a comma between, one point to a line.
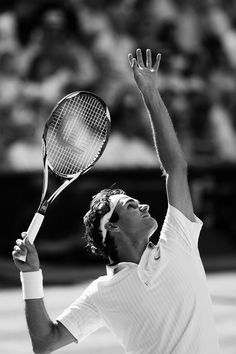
x=144, y=207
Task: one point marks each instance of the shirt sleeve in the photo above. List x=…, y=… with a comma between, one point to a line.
x=178, y=228
x=82, y=317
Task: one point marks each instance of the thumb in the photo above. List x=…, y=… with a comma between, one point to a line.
x=132, y=61
x=130, y=58
x=134, y=64
x=27, y=243
x=24, y=234
x=26, y=240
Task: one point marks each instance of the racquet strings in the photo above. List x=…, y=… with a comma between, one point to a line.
x=76, y=134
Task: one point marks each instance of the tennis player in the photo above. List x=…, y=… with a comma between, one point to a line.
x=154, y=298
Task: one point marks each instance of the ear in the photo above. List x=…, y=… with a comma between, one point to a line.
x=109, y=226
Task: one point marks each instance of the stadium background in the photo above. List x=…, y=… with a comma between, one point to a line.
x=51, y=48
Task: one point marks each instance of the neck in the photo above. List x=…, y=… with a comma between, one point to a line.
x=131, y=253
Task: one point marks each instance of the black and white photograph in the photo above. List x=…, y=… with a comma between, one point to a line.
x=118, y=176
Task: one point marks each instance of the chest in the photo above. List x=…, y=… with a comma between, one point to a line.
x=148, y=291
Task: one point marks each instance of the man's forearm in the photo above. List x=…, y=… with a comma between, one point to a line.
x=165, y=139
x=39, y=324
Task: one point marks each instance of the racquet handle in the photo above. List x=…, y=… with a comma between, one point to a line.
x=33, y=231
x=34, y=227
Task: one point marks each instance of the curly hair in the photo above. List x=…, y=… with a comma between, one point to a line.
x=100, y=206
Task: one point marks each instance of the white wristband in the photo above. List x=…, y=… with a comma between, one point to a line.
x=32, y=284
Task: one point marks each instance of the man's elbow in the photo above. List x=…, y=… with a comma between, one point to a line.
x=36, y=351
x=180, y=167
x=49, y=342
x=43, y=347
x=41, y=350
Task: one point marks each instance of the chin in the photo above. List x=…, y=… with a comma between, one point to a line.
x=153, y=226
x=154, y=222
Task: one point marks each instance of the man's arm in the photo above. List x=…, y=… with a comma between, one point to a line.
x=164, y=136
x=46, y=335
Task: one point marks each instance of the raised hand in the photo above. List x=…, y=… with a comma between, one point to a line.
x=145, y=75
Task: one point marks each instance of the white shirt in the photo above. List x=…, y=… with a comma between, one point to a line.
x=159, y=306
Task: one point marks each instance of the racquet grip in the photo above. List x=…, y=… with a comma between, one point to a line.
x=34, y=227
x=33, y=231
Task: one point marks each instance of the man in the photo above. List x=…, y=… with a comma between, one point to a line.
x=154, y=297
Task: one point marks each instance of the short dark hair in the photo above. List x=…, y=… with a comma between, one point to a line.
x=100, y=206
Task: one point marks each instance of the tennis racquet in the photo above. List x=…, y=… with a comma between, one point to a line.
x=74, y=138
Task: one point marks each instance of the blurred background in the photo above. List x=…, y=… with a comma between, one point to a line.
x=51, y=48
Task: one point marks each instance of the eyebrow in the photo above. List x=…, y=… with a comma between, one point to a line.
x=132, y=200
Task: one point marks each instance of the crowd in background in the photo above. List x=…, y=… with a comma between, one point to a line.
x=51, y=48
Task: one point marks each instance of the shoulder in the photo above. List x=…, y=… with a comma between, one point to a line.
x=178, y=228
x=173, y=213
x=92, y=288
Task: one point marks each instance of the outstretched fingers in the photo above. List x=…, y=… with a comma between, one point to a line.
x=134, y=63
x=148, y=58
x=157, y=63
x=139, y=58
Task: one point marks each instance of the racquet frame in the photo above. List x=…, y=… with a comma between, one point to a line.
x=44, y=203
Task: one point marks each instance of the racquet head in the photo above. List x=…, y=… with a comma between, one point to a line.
x=76, y=133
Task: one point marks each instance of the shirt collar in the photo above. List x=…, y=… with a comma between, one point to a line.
x=112, y=269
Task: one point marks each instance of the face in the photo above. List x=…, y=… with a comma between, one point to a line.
x=134, y=218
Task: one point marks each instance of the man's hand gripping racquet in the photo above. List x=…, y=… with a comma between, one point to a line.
x=74, y=138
